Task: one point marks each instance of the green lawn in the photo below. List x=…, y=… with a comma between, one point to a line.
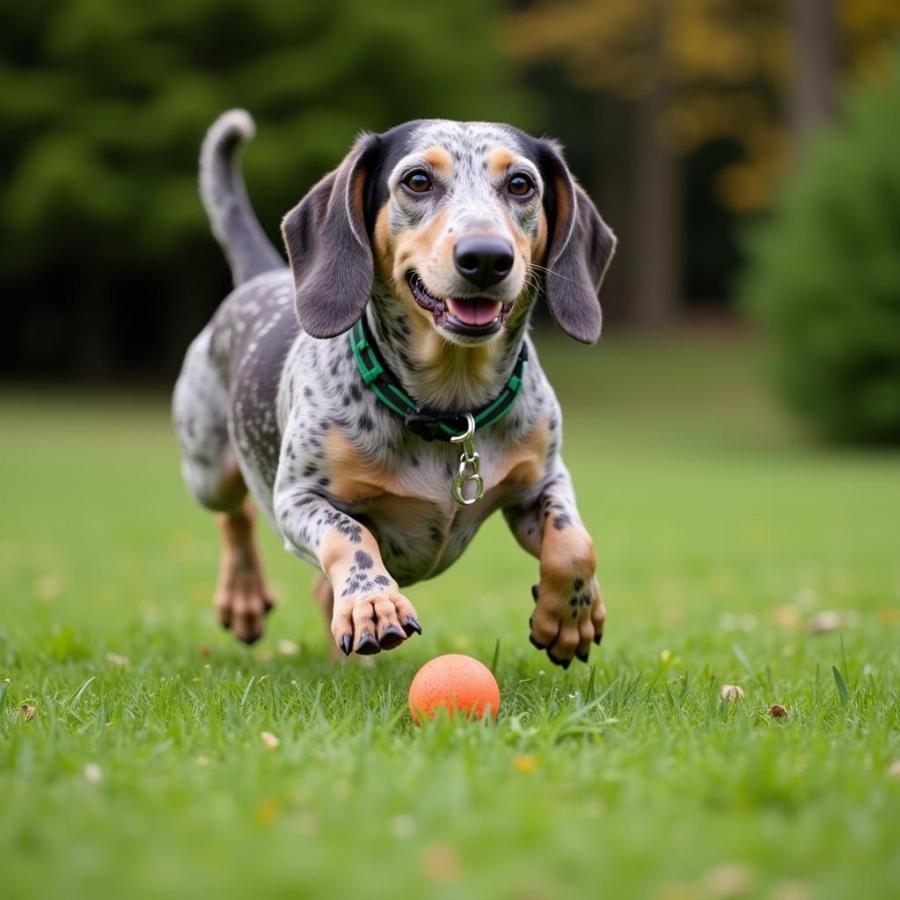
x=721, y=532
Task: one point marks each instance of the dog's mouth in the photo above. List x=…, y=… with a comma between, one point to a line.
x=469, y=316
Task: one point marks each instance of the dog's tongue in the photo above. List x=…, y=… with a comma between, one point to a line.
x=474, y=312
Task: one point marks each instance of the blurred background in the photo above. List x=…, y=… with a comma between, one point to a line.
x=745, y=151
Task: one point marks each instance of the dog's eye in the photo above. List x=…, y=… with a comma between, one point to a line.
x=520, y=186
x=418, y=182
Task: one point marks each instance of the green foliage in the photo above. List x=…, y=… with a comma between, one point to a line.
x=824, y=274
x=103, y=105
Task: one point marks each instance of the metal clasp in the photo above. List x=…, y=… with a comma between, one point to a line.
x=469, y=471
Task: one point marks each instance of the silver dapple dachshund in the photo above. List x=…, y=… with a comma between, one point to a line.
x=380, y=397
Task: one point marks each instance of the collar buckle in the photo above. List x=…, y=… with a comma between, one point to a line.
x=469, y=471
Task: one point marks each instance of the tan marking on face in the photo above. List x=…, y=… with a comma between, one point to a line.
x=415, y=248
x=419, y=249
x=521, y=240
x=499, y=160
x=539, y=243
x=384, y=245
x=563, y=211
x=439, y=160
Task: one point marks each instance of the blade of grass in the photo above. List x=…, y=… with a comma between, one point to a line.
x=841, y=686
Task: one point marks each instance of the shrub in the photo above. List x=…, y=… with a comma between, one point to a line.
x=824, y=273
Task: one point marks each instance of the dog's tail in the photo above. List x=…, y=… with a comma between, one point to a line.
x=233, y=221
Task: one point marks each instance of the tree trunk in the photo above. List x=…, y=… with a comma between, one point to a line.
x=655, y=222
x=811, y=95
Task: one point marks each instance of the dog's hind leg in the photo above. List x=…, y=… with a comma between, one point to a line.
x=242, y=597
x=213, y=477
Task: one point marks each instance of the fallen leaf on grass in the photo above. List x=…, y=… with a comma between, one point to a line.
x=894, y=769
x=270, y=740
x=288, y=648
x=777, y=711
x=824, y=622
x=48, y=587
x=787, y=617
x=791, y=890
x=731, y=693
x=525, y=763
x=442, y=864
x=729, y=880
x=403, y=827
x=27, y=711
x=116, y=659
x=266, y=812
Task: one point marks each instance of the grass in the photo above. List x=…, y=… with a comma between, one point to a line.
x=721, y=532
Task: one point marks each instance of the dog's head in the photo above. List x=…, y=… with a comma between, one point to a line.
x=464, y=222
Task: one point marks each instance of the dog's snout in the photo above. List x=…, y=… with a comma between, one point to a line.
x=484, y=261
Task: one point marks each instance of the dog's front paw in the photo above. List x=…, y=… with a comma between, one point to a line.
x=370, y=614
x=568, y=617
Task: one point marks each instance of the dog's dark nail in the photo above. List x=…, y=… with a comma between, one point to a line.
x=250, y=638
x=412, y=626
x=535, y=593
x=391, y=637
x=536, y=643
x=268, y=604
x=346, y=644
x=598, y=638
x=367, y=644
x=583, y=656
x=226, y=625
x=565, y=663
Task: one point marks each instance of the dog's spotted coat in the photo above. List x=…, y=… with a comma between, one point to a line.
x=270, y=400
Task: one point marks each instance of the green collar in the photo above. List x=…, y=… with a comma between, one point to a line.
x=426, y=423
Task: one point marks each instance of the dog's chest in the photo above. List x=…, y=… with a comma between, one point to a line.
x=409, y=506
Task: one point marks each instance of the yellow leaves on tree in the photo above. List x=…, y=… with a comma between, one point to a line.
x=722, y=66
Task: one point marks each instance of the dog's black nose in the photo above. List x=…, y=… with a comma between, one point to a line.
x=483, y=260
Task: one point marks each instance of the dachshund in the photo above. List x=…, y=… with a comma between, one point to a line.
x=379, y=396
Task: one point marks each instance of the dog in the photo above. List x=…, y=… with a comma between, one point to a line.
x=379, y=396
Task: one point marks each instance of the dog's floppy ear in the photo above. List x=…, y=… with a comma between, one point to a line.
x=328, y=246
x=579, y=250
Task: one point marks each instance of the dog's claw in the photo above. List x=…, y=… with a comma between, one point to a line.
x=367, y=645
x=565, y=663
x=391, y=637
x=249, y=639
x=536, y=643
x=535, y=593
x=347, y=644
x=583, y=656
x=598, y=638
x=412, y=626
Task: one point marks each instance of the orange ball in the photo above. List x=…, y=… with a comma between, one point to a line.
x=456, y=683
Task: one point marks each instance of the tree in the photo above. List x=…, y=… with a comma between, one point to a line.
x=102, y=108
x=694, y=71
